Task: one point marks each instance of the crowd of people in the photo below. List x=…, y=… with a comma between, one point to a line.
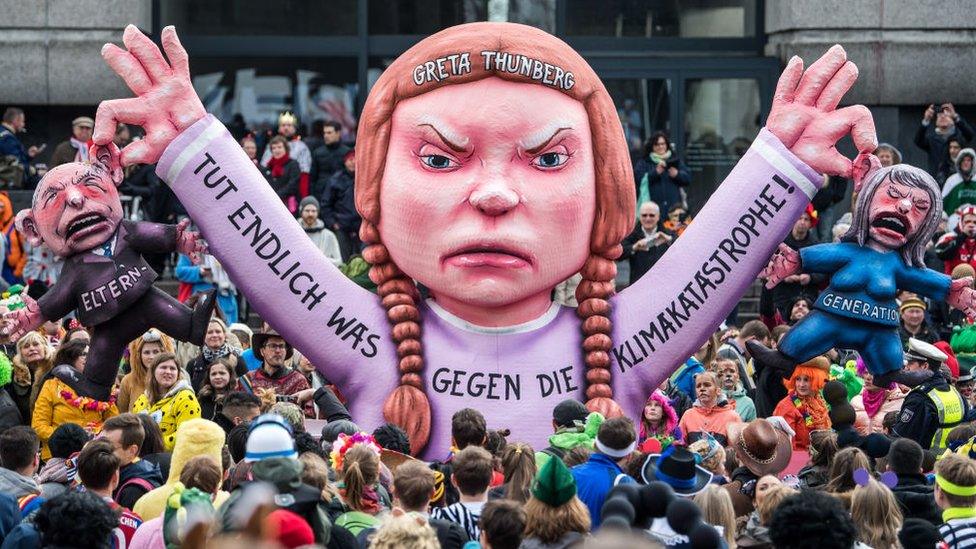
x=243, y=439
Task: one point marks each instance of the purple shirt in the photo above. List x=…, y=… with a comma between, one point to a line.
x=514, y=375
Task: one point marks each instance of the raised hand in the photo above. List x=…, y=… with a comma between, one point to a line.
x=806, y=119
x=784, y=263
x=962, y=296
x=189, y=243
x=165, y=102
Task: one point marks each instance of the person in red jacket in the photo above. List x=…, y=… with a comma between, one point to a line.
x=959, y=246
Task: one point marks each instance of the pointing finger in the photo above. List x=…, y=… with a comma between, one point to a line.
x=126, y=66
x=819, y=74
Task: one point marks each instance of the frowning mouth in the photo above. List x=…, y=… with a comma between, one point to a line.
x=891, y=222
x=83, y=223
x=488, y=255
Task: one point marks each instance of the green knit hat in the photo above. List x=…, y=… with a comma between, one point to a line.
x=554, y=485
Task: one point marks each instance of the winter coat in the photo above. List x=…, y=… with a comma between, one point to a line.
x=954, y=249
x=198, y=437
x=594, y=479
x=17, y=485
x=959, y=188
x=338, y=201
x=814, y=476
x=744, y=405
x=937, y=145
x=916, y=498
x=714, y=420
x=179, y=404
x=9, y=514
x=324, y=239
x=866, y=425
x=664, y=190
x=52, y=410
x=567, y=438
x=127, y=493
x=54, y=478
x=286, y=184
x=642, y=261
x=198, y=367
x=13, y=405
x=285, y=381
x=15, y=259
x=569, y=539
x=129, y=391
x=326, y=161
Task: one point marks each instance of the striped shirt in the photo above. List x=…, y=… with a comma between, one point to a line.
x=465, y=515
x=959, y=533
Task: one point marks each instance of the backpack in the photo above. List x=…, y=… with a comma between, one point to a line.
x=135, y=481
x=356, y=521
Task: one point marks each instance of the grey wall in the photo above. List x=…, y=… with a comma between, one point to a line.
x=50, y=49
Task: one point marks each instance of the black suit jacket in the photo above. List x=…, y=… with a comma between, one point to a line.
x=101, y=287
x=642, y=261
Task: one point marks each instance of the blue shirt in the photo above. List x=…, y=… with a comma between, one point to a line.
x=594, y=479
x=864, y=281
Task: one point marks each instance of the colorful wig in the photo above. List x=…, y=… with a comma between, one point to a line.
x=818, y=377
x=670, y=417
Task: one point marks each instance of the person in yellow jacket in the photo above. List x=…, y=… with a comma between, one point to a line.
x=168, y=399
x=57, y=403
x=196, y=437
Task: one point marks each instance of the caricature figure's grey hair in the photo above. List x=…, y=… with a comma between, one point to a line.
x=914, y=250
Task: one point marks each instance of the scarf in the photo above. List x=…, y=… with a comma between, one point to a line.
x=211, y=355
x=56, y=470
x=813, y=409
x=873, y=400
x=644, y=189
x=277, y=165
x=82, y=146
x=369, y=503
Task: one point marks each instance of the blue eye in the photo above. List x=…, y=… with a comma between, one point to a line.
x=438, y=161
x=550, y=160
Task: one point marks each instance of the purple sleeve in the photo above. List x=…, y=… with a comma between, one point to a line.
x=339, y=326
x=665, y=316
x=149, y=237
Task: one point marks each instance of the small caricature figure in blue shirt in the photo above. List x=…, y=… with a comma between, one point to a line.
x=896, y=214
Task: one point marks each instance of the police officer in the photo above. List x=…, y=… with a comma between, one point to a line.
x=933, y=408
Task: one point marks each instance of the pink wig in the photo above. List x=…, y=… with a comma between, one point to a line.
x=670, y=417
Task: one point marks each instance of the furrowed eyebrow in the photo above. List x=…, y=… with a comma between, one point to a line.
x=454, y=142
x=542, y=146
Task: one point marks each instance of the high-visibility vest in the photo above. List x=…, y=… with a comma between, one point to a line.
x=951, y=409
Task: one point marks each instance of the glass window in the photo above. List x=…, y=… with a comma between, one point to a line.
x=260, y=17
x=537, y=13
x=314, y=88
x=423, y=16
x=721, y=120
x=643, y=105
x=648, y=18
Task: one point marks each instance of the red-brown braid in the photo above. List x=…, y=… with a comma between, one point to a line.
x=408, y=405
x=592, y=294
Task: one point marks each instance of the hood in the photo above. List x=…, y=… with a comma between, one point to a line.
x=964, y=152
x=15, y=484
x=315, y=228
x=180, y=385
x=723, y=405
x=141, y=469
x=195, y=437
x=738, y=392
x=284, y=473
x=569, y=438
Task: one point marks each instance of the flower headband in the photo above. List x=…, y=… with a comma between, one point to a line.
x=345, y=442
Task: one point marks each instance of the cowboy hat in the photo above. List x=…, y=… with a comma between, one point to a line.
x=760, y=447
x=678, y=468
x=259, y=339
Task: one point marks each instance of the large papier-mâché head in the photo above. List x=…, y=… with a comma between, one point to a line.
x=899, y=207
x=76, y=206
x=491, y=165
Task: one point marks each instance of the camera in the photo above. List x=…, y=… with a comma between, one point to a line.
x=937, y=107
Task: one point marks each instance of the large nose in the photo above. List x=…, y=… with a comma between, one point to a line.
x=75, y=197
x=494, y=197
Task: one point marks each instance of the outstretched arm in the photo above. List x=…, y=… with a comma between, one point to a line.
x=664, y=317
x=292, y=285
